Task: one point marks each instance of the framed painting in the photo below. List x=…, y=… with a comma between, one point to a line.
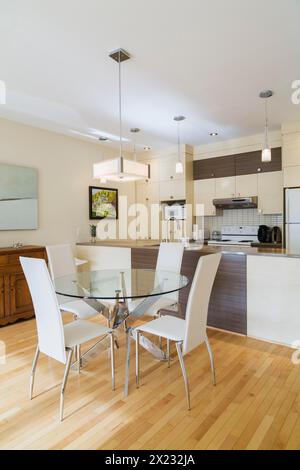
x=103, y=203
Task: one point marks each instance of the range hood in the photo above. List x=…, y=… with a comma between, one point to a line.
x=236, y=203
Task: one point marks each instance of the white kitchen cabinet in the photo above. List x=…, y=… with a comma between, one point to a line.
x=270, y=192
x=246, y=185
x=291, y=177
x=225, y=187
x=204, y=193
x=147, y=192
x=167, y=166
x=291, y=150
x=170, y=190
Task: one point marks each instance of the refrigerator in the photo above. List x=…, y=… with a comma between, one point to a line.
x=292, y=220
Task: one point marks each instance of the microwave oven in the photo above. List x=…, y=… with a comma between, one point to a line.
x=175, y=212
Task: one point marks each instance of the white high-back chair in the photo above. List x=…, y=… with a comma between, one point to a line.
x=191, y=332
x=62, y=263
x=169, y=259
x=56, y=340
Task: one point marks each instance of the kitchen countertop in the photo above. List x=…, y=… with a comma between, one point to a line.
x=194, y=246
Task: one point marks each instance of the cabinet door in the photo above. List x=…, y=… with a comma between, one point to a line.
x=19, y=297
x=1, y=296
x=246, y=186
x=270, y=193
x=291, y=177
x=172, y=190
x=204, y=193
x=225, y=187
x=167, y=167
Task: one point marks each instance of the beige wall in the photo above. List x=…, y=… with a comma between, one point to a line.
x=64, y=167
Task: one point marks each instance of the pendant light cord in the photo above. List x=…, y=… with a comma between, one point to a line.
x=120, y=106
x=178, y=140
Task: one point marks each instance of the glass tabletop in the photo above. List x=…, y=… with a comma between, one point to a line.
x=114, y=283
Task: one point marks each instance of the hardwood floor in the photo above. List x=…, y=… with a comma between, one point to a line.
x=255, y=405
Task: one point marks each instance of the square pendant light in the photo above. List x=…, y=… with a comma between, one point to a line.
x=121, y=169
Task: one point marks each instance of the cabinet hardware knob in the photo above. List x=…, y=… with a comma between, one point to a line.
x=171, y=197
x=171, y=177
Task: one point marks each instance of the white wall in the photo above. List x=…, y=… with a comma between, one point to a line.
x=64, y=167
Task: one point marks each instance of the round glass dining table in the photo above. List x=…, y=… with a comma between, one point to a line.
x=122, y=294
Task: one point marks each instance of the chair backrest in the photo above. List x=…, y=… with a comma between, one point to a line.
x=170, y=259
x=198, y=301
x=61, y=260
x=50, y=330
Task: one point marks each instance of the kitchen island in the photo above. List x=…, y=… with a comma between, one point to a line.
x=256, y=291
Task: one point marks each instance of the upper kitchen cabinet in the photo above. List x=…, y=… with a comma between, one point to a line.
x=167, y=167
x=225, y=187
x=270, y=193
x=172, y=190
x=204, y=193
x=250, y=162
x=291, y=150
x=291, y=176
x=213, y=168
x=147, y=192
x=246, y=186
x=236, y=165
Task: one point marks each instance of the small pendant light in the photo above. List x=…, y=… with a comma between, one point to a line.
x=179, y=164
x=266, y=155
x=134, y=131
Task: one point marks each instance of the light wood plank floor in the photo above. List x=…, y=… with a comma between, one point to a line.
x=255, y=405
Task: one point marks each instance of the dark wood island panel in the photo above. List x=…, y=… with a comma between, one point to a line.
x=228, y=303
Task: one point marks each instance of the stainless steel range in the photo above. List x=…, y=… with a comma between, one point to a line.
x=237, y=235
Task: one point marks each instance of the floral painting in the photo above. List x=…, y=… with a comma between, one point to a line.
x=103, y=203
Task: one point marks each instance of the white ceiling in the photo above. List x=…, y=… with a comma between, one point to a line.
x=205, y=59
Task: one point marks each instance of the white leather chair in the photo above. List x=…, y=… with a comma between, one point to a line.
x=191, y=332
x=56, y=340
x=169, y=259
x=61, y=263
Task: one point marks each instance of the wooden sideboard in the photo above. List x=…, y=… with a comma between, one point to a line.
x=15, y=299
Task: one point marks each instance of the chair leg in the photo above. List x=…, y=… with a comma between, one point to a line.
x=137, y=359
x=168, y=351
x=127, y=365
x=33, y=369
x=112, y=359
x=78, y=357
x=186, y=383
x=211, y=357
x=64, y=383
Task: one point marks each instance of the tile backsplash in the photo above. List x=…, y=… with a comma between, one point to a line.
x=240, y=217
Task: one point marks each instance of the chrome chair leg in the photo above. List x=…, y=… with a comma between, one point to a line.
x=137, y=359
x=127, y=365
x=112, y=358
x=212, y=363
x=168, y=351
x=33, y=369
x=64, y=383
x=78, y=357
x=186, y=383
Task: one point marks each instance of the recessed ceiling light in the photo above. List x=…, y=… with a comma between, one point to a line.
x=213, y=134
x=147, y=148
